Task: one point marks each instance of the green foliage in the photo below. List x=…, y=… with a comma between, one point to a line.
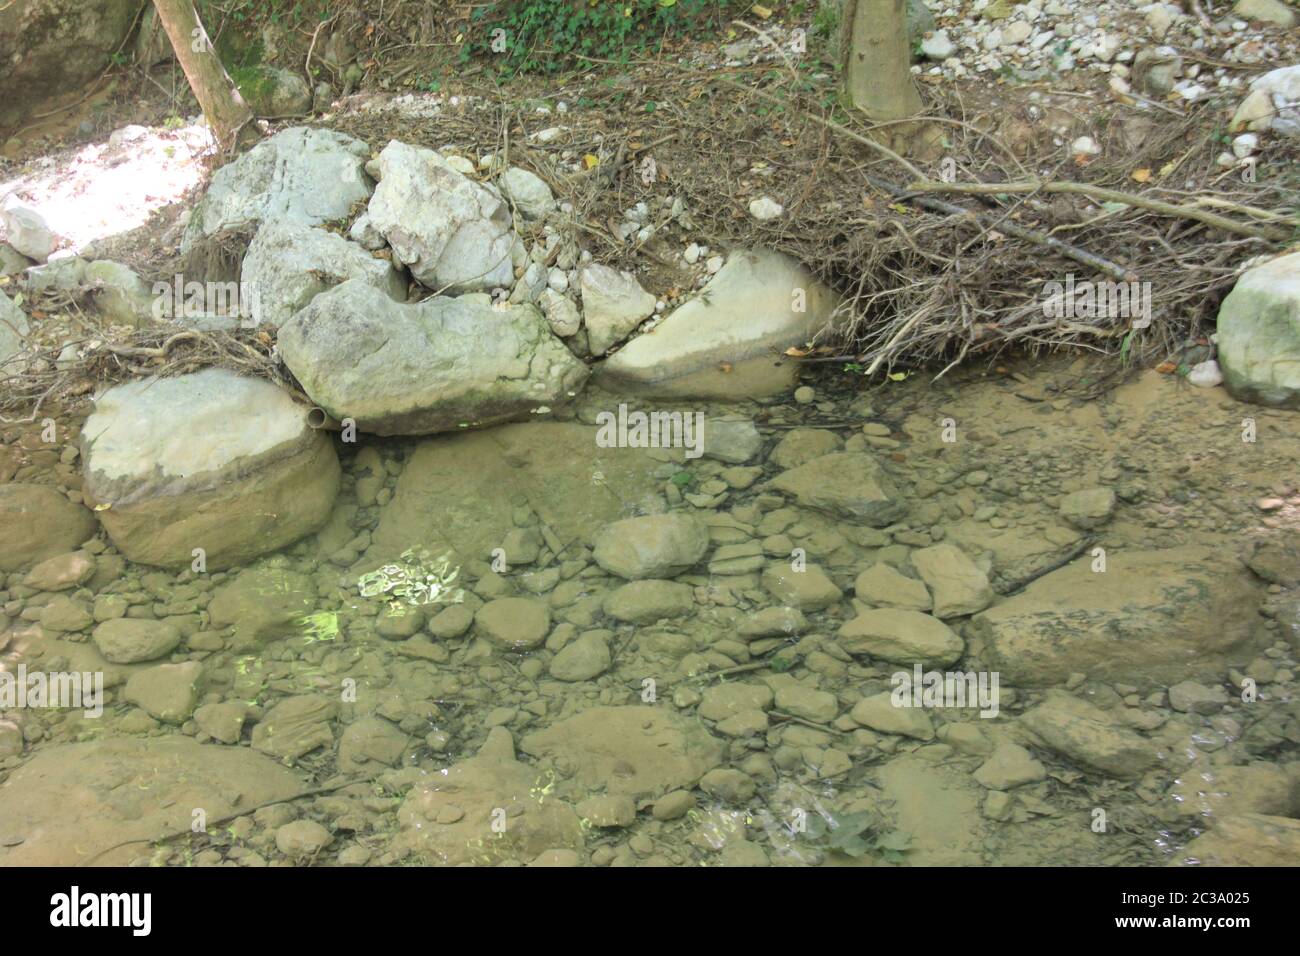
x=856, y=834
x=542, y=36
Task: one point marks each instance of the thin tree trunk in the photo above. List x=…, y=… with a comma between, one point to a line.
x=226, y=111
x=878, y=60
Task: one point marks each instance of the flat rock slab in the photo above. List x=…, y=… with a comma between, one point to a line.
x=1165, y=615
x=641, y=752
x=72, y=802
x=726, y=342
x=457, y=493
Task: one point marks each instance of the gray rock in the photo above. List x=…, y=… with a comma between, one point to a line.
x=288, y=264
x=437, y=365
x=12, y=261
x=720, y=344
x=651, y=546
x=58, y=47
x=302, y=175
x=613, y=304
x=368, y=741
x=170, y=468
x=26, y=229
x=120, y=294
x=450, y=231
x=1259, y=334
x=1189, y=697
x=734, y=441
x=272, y=92
x=527, y=191
x=561, y=314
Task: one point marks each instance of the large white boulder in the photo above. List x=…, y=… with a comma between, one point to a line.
x=211, y=460
x=288, y=264
x=301, y=175
x=437, y=365
x=727, y=342
x=450, y=231
x=1259, y=334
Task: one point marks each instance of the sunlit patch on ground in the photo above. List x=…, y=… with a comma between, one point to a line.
x=105, y=189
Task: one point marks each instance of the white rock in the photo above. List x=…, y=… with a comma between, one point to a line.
x=561, y=313
x=1205, y=374
x=26, y=229
x=304, y=175
x=938, y=46
x=692, y=254
x=289, y=264
x=1085, y=146
x=527, y=191
x=765, y=208
x=613, y=304
x=1244, y=145
x=450, y=231
x=1017, y=32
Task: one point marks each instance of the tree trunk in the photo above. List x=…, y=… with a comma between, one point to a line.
x=878, y=60
x=227, y=113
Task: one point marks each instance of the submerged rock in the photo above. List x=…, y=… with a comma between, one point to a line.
x=640, y=752
x=1088, y=736
x=651, y=546
x=288, y=264
x=1151, y=615
x=956, y=583
x=457, y=492
x=37, y=523
x=449, y=230
x=433, y=366
x=846, y=484
x=301, y=175
x=486, y=810
x=902, y=637
x=720, y=344
x=1250, y=839
x=72, y=802
x=212, y=461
